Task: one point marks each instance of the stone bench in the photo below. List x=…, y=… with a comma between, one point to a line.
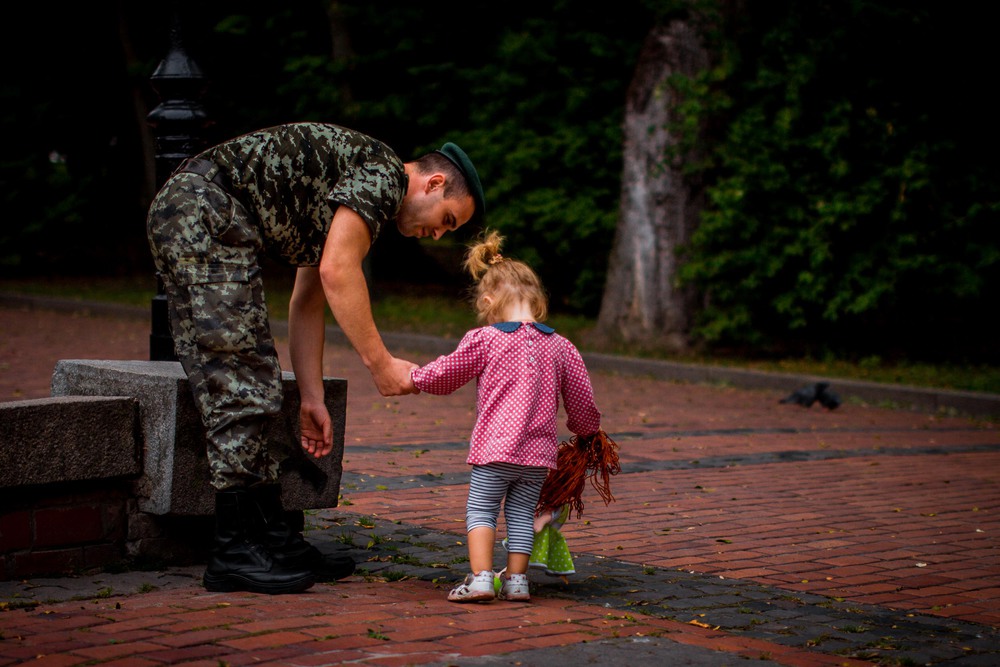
x=69, y=439
x=114, y=466
x=66, y=468
x=175, y=468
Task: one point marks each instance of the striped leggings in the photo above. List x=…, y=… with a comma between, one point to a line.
x=518, y=487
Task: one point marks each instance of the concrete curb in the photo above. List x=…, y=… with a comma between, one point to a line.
x=980, y=405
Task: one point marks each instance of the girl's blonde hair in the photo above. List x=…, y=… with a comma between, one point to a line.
x=502, y=279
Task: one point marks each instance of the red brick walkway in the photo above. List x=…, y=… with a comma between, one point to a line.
x=403, y=623
x=884, y=509
x=894, y=510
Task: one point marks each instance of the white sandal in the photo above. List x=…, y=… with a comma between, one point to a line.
x=514, y=587
x=475, y=588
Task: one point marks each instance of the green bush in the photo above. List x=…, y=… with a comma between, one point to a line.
x=848, y=207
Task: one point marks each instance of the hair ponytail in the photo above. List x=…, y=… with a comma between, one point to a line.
x=483, y=254
x=500, y=281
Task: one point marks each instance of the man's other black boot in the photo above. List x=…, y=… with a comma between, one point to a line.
x=239, y=561
x=288, y=546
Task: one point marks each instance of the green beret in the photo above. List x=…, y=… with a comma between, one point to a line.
x=464, y=164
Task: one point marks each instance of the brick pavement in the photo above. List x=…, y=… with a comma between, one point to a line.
x=742, y=529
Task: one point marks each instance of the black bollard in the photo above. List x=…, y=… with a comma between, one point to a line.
x=178, y=124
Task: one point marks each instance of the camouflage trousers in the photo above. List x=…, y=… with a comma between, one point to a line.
x=206, y=247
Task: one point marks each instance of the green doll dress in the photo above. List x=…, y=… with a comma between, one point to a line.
x=550, y=552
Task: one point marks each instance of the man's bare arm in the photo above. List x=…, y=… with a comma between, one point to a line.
x=306, y=334
x=346, y=291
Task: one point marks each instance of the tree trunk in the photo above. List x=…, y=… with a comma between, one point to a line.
x=660, y=206
x=341, y=49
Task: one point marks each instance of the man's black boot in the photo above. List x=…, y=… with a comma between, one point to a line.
x=288, y=546
x=239, y=561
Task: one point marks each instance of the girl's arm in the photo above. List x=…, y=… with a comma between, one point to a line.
x=450, y=372
x=582, y=416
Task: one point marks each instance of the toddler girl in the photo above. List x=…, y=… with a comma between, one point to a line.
x=522, y=367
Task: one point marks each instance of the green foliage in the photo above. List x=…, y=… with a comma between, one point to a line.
x=534, y=96
x=846, y=202
x=548, y=117
x=847, y=149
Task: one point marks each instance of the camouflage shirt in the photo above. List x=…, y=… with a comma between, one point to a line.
x=293, y=177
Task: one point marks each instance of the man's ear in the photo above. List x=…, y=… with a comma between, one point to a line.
x=434, y=182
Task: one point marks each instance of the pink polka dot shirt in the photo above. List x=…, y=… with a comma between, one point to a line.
x=521, y=370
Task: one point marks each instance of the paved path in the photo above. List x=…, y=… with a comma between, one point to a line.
x=742, y=529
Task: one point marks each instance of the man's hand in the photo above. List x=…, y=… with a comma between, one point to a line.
x=393, y=377
x=317, y=429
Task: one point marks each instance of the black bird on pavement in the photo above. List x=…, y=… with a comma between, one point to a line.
x=819, y=392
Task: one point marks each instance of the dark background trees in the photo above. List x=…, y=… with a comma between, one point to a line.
x=851, y=190
x=853, y=196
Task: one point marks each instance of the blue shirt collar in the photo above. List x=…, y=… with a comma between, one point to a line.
x=511, y=327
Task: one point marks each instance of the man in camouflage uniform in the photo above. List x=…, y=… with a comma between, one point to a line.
x=316, y=196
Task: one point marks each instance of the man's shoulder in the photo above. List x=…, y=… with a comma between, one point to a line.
x=329, y=131
x=305, y=136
